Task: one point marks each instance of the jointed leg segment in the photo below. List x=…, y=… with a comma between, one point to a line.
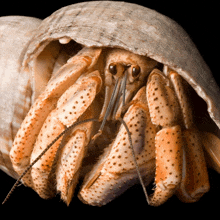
x=115, y=170
x=26, y=137
x=160, y=122
x=185, y=174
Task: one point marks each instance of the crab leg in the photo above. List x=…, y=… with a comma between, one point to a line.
x=71, y=105
x=211, y=144
x=195, y=181
x=46, y=102
x=115, y=171
x=184, y=102
x=164, y=112
x=69, y=163
x=168, y=144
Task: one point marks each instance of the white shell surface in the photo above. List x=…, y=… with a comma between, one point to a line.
x=15, y=86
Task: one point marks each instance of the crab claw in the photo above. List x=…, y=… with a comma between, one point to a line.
x=71, y=156
x=26, y=136
x=71, y=105
x=41, y=170
x=165, y=111
x=168, y=144
x=115, y=171
x=69, y=163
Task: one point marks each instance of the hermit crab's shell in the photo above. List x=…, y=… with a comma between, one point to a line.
x=15, y=87
x=135, y=28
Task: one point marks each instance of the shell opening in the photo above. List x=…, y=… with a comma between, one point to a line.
x=45, y=63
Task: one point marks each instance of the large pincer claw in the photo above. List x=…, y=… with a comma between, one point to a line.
x=115, y=171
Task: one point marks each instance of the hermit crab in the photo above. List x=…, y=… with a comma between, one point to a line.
x=110, y=92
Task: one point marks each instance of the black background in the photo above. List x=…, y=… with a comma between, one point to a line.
x=201, y=20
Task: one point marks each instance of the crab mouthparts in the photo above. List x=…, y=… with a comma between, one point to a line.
x=115, y=99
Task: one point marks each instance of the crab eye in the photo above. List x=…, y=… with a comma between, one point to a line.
x=135, y=70
x=113, y=68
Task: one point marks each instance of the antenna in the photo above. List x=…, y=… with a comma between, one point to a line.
x=135, y=161
x=42, y=153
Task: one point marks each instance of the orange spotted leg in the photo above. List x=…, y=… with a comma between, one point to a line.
x=71, y=105
x=115, y=170
x=195, y=180
x=165, y=113
x=26, y=136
